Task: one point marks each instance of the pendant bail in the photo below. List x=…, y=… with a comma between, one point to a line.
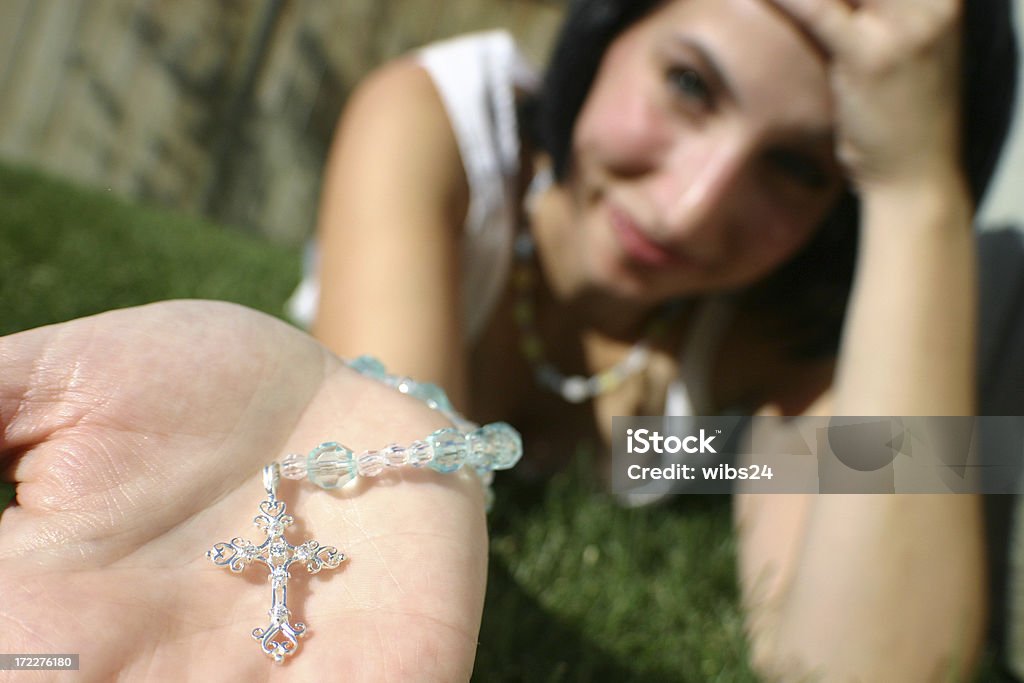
x=271, y=478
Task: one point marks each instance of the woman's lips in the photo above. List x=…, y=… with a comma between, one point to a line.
x=638, y=246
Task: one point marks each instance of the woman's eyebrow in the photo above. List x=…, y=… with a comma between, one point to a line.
x=710, y=64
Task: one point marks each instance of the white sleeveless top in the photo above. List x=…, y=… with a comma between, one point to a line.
x=476, y=76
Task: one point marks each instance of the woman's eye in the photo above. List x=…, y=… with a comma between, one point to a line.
x=800, y=168
x=689, y=84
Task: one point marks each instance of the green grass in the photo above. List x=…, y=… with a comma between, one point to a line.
x=579, y=589
x=583, y=590
x=66, y=252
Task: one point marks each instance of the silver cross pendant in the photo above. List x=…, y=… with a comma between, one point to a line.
x=280, y=638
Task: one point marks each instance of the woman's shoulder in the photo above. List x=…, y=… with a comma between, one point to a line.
x=392, y=87
x=398, y=118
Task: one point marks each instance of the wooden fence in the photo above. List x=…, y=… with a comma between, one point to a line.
x=223, y=108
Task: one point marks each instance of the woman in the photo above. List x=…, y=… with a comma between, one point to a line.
x=715, y=165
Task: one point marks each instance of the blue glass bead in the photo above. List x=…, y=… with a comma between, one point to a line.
x=330, y=465
x=432, y=395
x=450, y=449
x=369, y=367
x=496, y=446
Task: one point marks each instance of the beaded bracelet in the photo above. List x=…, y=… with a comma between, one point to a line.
x=495, y=446
x=331, y=465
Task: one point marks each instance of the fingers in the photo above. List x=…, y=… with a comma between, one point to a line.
x=843, y=28
x=827, y=22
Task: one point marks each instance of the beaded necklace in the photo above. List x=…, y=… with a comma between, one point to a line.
x=331, y=465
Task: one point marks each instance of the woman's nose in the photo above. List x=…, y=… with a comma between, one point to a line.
x=699, y=195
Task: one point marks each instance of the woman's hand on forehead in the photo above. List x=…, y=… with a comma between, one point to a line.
x=891, y=62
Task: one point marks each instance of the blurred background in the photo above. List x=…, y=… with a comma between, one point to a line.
x=223, y=109
x=226, y=109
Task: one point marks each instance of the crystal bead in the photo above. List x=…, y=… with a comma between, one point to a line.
x=636, y=360
x=368, y=366
x=330, y=465
x=405, y=385
x=420, y=453
x=293, y=466
x=496, y=446
x=395, y=456
x=370, y=463
x=449, y=446
x=432, y=395
x=574, y=389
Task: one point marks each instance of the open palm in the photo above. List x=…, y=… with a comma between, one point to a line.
x=137, y=438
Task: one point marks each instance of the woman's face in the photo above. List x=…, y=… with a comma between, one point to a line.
x=703, y=156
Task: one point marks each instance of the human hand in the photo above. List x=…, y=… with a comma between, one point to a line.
x=136, y=440
x=896, y=84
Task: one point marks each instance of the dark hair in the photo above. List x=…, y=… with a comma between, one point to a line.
x=808, y=294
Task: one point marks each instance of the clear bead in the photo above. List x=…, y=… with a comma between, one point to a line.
x=368, y=366
x=479, y=452
x=450, y=449
x=395, y=456
x=420, y=453
x=370, y=463
x=496, y=446
x=330, y=465
x=574, y=389
x=293, y=466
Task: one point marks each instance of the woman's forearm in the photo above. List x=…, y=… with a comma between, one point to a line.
x=891, y=587
x=909, y=342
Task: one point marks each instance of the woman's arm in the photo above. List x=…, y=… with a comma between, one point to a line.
x=885, y=587
x=394, y=199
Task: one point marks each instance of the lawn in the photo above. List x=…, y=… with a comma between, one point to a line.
x=580, y=589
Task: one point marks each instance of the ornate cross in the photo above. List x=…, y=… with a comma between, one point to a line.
x=280, y=638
